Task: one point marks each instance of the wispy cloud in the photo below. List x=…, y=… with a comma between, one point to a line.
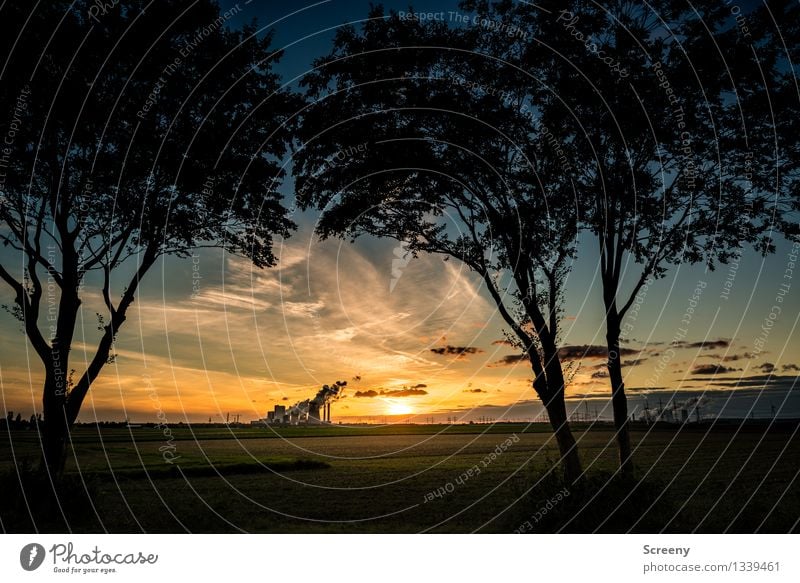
x=372, y=393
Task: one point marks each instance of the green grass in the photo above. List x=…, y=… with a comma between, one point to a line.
x=196, y=470
x=381, y=479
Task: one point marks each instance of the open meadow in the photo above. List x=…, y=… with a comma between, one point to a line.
x=410, y=478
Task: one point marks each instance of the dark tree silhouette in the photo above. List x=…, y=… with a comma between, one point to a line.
x=130, y=135
x=403, y=142
x=642, y=97
x=767, y=111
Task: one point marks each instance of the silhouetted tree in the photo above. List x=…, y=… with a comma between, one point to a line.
x=131, y=134
x=766, y=110
x=641, y=98
x=402, y=142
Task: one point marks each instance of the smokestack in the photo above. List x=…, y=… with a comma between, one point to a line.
x=313, y=410
x=314, y=413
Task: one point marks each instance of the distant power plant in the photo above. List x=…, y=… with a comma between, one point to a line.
x=674, y=412
x=316, y=411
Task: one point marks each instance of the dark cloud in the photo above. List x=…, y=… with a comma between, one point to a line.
x=767, y=367
x=762, y=380
x=370, y=393
x=420, y=386
x=474, y=391
x=707, y=345
x=600, y=374
x=459, y=352
x=502, y=343
x=509, y=360
x=759, y=381
x=712, y=344
x=706, y=369
x=646, y=389
x=404, y=392
x=734, y=357
x=584, y=351
x=285, y=399
x=790, y=366
x=568, y=353
x=634, y=362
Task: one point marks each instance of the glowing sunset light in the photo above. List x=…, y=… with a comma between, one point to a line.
x=395, y=408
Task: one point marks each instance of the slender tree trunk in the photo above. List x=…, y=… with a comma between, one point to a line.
x=619, y=401
x=567, y=446
x=553, y=398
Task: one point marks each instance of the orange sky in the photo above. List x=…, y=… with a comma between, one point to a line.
x=252, y=338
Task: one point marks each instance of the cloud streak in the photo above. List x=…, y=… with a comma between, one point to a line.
x=372, y=393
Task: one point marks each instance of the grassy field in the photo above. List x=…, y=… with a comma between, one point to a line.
x=415, y=478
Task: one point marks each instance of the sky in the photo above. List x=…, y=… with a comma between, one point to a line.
x=416, y=340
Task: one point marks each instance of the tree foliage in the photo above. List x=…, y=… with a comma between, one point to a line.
x=660, y=108
x=130, y=135
x=410, y=137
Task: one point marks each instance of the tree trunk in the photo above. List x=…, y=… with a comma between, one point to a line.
x=54, y=444
x=55, y=430
x=549, y=385
x=619, y=402
x=567, y=446
x=55, y=433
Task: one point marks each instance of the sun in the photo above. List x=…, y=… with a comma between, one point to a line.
x=395, y=408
